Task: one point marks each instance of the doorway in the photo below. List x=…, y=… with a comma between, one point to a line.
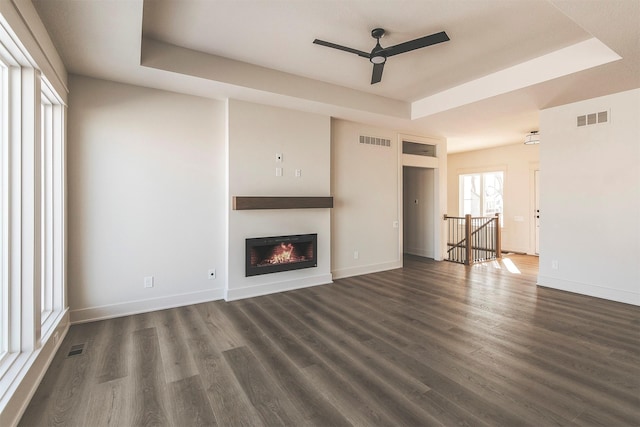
x=418, y=211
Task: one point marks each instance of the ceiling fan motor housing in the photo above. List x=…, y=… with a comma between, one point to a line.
x=377, y=33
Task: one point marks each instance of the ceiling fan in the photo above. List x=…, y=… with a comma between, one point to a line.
x=379, y=54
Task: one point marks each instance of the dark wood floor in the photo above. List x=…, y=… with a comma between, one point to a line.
x=434, y=343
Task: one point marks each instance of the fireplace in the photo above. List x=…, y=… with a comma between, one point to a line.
x=283, y=253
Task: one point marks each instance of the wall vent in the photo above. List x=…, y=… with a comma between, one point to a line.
x=372, y=140
x=592, y=118
x=603, y=117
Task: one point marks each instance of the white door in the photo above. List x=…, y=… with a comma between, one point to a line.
x=536, y=175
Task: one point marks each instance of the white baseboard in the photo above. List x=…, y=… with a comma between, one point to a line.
x=272, y=288
x=366, y=269
x=91, y=314
x=419, y=252
x=611, y=294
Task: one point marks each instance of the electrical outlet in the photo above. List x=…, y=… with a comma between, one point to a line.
x=298, y=173
x=212, y=273
x=356, y=255
x=554, y=264
x=278, y=171
x=148, y=282
x=396, y=224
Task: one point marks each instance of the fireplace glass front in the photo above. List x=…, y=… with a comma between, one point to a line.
x=283, y=253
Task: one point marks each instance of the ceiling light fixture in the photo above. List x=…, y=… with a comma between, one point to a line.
x=377, y=54
x=378, y=59
x=532, y=137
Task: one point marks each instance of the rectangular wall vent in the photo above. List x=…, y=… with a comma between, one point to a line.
x=592, y=118
x=372, y=140
x=603, y=117
x=582, y=121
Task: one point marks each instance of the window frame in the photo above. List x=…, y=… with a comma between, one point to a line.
x=4, y=136
x=52, y=202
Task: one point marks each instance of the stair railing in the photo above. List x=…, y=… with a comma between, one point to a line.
x=473, y=239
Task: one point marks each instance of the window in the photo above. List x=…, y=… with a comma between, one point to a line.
x=481, y=194
x=31, y=212
x=4, y=294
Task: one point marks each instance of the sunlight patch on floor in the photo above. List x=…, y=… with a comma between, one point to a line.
x=510, y=266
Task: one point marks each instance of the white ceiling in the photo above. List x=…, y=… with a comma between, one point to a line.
x=506, y=59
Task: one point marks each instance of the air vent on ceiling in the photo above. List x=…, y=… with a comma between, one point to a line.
x=592, y=118
x=372, y=140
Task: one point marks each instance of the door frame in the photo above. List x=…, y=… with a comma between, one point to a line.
x=534, y=167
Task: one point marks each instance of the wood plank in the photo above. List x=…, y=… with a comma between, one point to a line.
x=189, y=403
x=112, y=363
x=261, y=390
x=281, y=202
x=177, y=360
x=108, y=404
x=149, y=403
x=221, y=329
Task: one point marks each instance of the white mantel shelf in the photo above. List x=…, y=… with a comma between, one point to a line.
x=281, y=202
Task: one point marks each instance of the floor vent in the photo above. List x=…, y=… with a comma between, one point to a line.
x=372, y=140
x=76, y=350
x=592, y=118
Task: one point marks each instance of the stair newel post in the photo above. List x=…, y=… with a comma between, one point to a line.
x=498, y=237
x=467, y=236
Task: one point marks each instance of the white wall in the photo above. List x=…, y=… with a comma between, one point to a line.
x=146, y=197
x=590, y=199
x=418, y=212
x=256, y=134
x=518, y=161
x=365, y=185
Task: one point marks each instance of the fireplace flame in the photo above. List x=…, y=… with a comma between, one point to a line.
x=282, y=254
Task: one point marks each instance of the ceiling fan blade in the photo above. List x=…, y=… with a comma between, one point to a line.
x=344, y=48
x=376, y=77
x=417, y=43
